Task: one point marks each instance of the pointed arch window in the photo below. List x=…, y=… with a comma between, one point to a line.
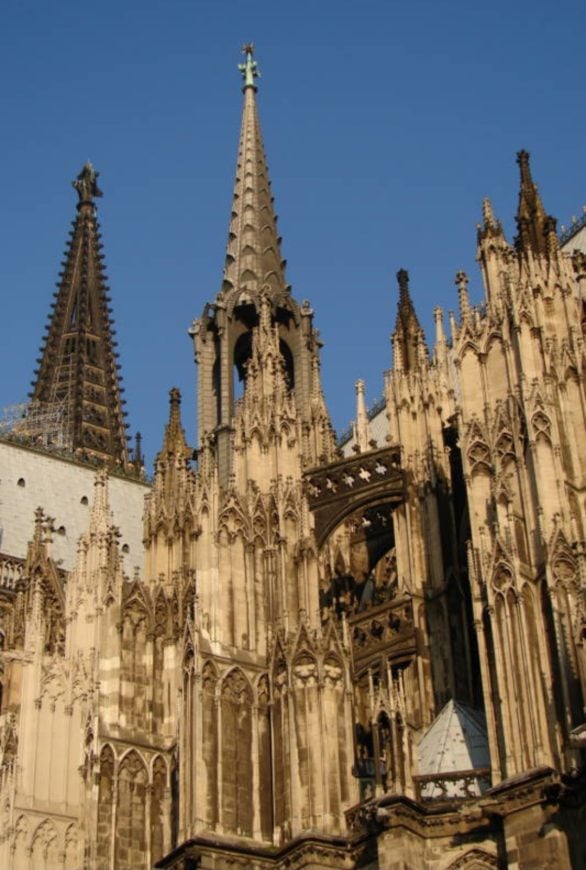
x=236, y=754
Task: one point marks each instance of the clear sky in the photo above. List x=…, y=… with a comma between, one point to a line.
x=385, y=124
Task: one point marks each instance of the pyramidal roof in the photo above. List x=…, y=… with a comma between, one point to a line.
x=253, y=256
x=78, y=370
x=456, y=740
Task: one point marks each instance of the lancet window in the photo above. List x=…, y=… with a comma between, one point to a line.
x=133, y=675
x=131, y=835
x=236, y=754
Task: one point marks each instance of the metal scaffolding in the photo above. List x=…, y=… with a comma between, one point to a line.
x=42, y=424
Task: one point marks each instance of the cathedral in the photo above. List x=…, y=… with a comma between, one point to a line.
x=288, y=649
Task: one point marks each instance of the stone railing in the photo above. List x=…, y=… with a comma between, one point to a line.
x=385, y=628
x=454, y=787
x=457, y=785
x=336, y=490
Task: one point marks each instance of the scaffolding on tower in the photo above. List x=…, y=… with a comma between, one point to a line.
x=38, y=424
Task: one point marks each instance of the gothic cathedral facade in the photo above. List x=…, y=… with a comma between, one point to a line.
x=358, y=654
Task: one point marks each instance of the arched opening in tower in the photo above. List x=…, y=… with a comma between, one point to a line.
x=242, y=354
x=360, y=563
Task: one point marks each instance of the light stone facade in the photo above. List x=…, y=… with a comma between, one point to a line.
x=31, y=479
x=371, y=659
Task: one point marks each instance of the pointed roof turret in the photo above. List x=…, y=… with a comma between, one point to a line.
x=78, y=375
x=534, y=226
x=253, y=256
x=408, y=338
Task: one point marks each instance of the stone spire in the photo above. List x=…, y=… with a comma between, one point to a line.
x=78, y=374
x=253, y=256
x=534, y=225
x=255, y=327
x=408, y=338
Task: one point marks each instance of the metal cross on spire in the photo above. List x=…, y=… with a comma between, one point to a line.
x=249, y=69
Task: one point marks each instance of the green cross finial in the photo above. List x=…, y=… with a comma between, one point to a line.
x=249, y=68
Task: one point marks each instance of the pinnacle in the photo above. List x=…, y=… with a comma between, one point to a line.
x=406, y=313
x=532, y=221
x=174, y=440
x=408, y=337
x=100, y=506
x=463, y=297
x=488, y=213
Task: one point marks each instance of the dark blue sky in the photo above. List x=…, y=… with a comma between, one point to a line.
x=385, y=125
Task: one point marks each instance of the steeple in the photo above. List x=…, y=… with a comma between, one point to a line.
x=534, y=225
x=78, y=375
x=408, y=338
x=255, y=315
x=253, y=256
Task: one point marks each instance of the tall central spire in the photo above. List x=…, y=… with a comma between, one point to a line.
x=253, y=256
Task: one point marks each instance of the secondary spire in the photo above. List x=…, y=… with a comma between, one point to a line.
x=253, y=257
x=78, y=371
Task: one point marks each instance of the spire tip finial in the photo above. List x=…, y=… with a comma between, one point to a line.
x=86, y=184
x=403, y=281
x=524, y=164
x=249, y=69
